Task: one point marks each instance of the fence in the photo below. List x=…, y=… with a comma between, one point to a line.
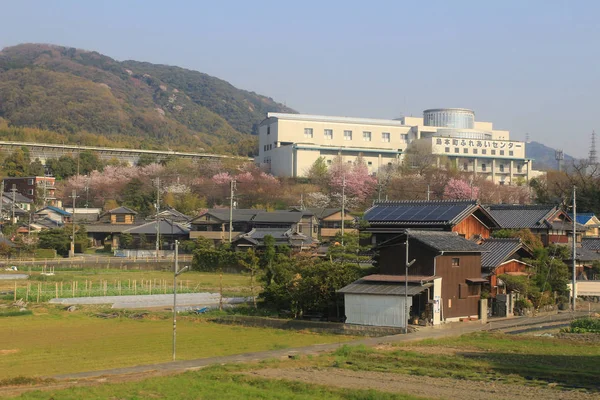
x=44, y=291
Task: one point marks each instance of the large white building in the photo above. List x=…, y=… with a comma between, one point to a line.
x=289, y=144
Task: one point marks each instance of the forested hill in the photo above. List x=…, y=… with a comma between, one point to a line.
x=77, y=95
x=544, y=156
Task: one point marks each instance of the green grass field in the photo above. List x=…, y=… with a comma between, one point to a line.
x=213, y=383
x=484, y=357
x=53, y=342
x=90, y=282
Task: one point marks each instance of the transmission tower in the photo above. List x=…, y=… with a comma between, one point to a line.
x=593, y=156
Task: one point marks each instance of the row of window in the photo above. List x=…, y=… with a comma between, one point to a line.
x=476, y=151
x=500, y=167
x=366, y=135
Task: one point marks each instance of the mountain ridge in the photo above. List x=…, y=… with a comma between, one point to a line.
x=73, y=92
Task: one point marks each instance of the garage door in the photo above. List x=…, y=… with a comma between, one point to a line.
x=375, y=310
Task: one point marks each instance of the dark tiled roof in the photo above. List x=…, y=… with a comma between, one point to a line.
x=281, y=235
x=19, y=198
x=498, y=251
x=325, y=212
x=398, y=278
x=516, y=216
x=567, y=226
x=591, y=243
x=171, y=212
x=166, y=228
x=441, y=241
x=108, y=228
x=122, y=210
x=286, y=217
x=584, y=254
x=239, y=215
x=383, y=288
x=420, y=212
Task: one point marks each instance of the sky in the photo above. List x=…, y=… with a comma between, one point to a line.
x=527, y=66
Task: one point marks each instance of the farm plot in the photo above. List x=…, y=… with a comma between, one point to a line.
x=55, y=342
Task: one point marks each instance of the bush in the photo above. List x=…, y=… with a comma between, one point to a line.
x=522, y=305
x=585, y=325
x=108, y=247
x=15, y=313
x=45, y=253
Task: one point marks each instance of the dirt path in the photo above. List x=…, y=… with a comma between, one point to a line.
x=435, y=388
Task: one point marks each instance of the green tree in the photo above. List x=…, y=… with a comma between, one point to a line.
x=36, y=168
x=17, y=163
x=146, y=159
x=139, y=196
x=62, y=167
x=125, y=240
x=89, y=162
x=251, y=263
x=58, y=239
x=318, y=171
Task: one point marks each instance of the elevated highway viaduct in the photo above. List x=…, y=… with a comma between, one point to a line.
x=45, y=151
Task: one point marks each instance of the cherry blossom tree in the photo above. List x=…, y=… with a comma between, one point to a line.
x=458, y=189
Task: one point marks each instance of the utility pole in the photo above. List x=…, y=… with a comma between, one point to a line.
x=74, y=195
x=232, y=188
x=78, y=157
x=343, y=205
x=157, y=216
x=428, y=192
x=14, y=193
x=1, y=203
x=176, y=272
x=574, y=294
x=407, y=264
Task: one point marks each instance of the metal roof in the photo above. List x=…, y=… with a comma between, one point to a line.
x=324, y=212
x=449, y=242
x=583, y=218
x=122, y=210
x=346, y=120
x=56, y=210
x=498, y=251
x=108, y=228
x=390, y=289
x=397, y=278
x=420, y=212
x=591, y=243
x=518, y=216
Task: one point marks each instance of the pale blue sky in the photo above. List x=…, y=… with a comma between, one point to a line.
x=528, y=66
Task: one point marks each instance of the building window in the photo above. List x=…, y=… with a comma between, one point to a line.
x=474, y=290
x=347, y=135
x=404, y=136
x=447, y=149
x=483, y=167
x=308, y=133
x=456, y=262
x=30, y=192
x=483, y=151
x=501, y=152
x=269, y=130
x=501, y=167
x=493, y=152
x=465, y=150
x=385, y=136
x=474, y=151
x=466, y=166
x=519, y=168
x=456, y=150
x=367, y=136
x=328, y=162
x=438, y=141
x=511, y=153
x=370, y=163
x=329, y=134
x=120, y=218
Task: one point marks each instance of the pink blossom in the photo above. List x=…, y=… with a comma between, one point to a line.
x=244, y=177
x=457, y=189
x=222, y=178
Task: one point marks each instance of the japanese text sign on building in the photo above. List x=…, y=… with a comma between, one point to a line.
x=492, y=144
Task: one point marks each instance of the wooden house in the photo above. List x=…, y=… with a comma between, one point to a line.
x=467, y=218
x=119, y=215
x=503, y=256
x=255, y=239
x=444, y=281
x=550, y=223
x=55, y=214
x=329, y=222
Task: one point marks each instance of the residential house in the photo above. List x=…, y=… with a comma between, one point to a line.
x=214, y=224
x=590, y=221
x=169, y=231
x=591, y=243
x=172, y=214
x=465, y=217
x=110, y=225
x=549, y=222
x=22, y=202
x=283, y=236
x=84, y=215
x=54, y=214
x=329, y=221
x=444, y=283
x=503, y=256
x=584, y=263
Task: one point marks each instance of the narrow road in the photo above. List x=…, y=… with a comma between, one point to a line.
x=449, y=330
